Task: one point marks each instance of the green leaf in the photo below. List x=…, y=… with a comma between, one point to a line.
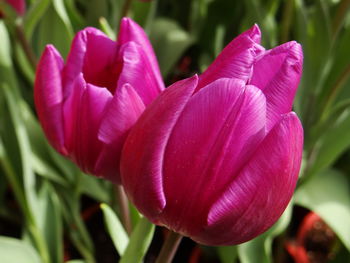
x=328, y=195
x=95, y=187
x=77, y=231
x=219, y=39
x=143, y=13
x=254, y=251
x=42, y=168
x=53, y=30
x=22, y=177
x=15, y=250
x=95, y=10
x=256, y=12
x=41, y=160
x=7, y=74
x=77, y=20
x=25, y=151
x=334, y=142
x=139, y=242
x=50, y=222
x=135, y=216
x=33, y=16
x=338, y=70
x=311, y=20
x=62, y=13
x=227, y=254
x=169, y=41
x=106, y=28
x=115, y=229
x=140, y=11
x=24, y=65
x=199, y=12
x=5, y=47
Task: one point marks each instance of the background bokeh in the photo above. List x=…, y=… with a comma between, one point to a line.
x=51, y=212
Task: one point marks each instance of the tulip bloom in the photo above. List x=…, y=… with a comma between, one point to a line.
x=87, y=106
x=18, y=5
x=216, y=157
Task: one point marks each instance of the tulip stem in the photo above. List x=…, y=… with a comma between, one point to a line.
x=126, y=7
x=339, y=17
x=124, y=208
x=169, y=248
x=339, y=84
x=23, y=41
x=287, y=20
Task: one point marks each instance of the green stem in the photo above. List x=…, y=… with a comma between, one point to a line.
x=40, y=243
x=126, y=7
x=25, y=45
x=335, y=90
x=11, y=177
x=339, y=17
x=287, y=20
x=37, y=237
x=169, y=248
x=124, y=208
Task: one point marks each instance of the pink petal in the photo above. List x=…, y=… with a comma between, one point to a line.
x=121, y=114
x=18, y=5
x=71, y=112
x=93, y=54
x=277, y=74
x=91, y=109
x=258, y=196
x=142, y=156
x=48, y=97
x=215, y=136
x=236, y=60
x=138, y=71
x=132, y=32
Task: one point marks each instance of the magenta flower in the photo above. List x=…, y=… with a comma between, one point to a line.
x=217, y=157
x=18, y=5
x=87, y=106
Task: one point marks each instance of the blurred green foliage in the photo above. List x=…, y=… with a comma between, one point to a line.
x=187, y=35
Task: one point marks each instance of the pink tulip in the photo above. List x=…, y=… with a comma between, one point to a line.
x=87, y=105
x=216, y=157
x=18, y=5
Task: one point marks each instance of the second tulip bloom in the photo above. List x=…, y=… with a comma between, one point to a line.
x=87, y=105
x=217, y=157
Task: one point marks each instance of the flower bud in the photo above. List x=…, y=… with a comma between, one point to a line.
x=18, y=5
x=216, y=157
x=87, y=105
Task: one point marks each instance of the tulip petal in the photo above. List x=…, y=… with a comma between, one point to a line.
x=91, y=109
x=71, y=111
x=142, y=156
x=121, y=114
x=94, y=54
x=218, y=131
x=132, y=32
x=18, y=5
x=137, y=71
x=236, y=60
x=257, y=197
x=277, y=74
x=48, y=97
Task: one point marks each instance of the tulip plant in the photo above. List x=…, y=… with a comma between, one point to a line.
x=174, y=131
